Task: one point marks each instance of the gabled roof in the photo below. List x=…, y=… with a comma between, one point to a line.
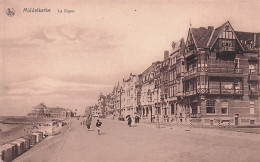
x=40, y=106
x=150, y=68
x=201, y=36
x=215, y=35
x=206, y=37
x=245, y=38
x=217, y=32
x=179, y=45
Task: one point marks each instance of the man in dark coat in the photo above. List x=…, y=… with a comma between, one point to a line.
x=129, y=121
x=98, y=125
x=88, y=123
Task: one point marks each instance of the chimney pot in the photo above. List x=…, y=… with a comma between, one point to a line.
x=166, y=55
x=211, y=27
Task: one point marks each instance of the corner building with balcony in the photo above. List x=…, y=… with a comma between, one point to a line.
x=221, y=78
x=176, y=74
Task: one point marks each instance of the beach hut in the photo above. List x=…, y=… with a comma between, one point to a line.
x=1, y=153
x=7, y=152
x=40, y=135
x=37, y=137
x=19, y=147
x=26, y=143
x=32, y=139
x=49, y=130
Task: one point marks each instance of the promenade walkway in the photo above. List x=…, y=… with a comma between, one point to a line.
x=144, y=142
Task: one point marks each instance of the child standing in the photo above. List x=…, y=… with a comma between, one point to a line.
x=98, y=124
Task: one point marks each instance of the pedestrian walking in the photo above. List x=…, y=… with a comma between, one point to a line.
x=171, y=123
x=138, y=119
x=133, y=123
x=88, y=123
x=83, y=124
x=157, y=122
x=98, y=125
x=129, y=121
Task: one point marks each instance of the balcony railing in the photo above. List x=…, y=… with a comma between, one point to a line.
x=228, y=48
x=226, y=91
x=253, y=71
x=225, y=70
x=190, y=52
x=191, y=72
x=254, y=92
x=195, y=115
x=189, y=93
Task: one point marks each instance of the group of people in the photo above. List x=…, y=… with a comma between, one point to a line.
x=130, y=120
x=87, y=122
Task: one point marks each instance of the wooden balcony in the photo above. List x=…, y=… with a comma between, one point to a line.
x=190, y=53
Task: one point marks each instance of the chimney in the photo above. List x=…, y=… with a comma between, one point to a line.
x=211, y=27
x=166, y=55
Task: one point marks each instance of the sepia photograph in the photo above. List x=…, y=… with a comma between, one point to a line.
x=130, y=81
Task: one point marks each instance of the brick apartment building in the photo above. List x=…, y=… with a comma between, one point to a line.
x=212, y=78
x=221, y=79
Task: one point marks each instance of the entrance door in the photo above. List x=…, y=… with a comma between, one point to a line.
x=172, y=109
x=194, y=108
x=236, y=120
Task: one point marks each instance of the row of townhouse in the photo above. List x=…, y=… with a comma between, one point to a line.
x=212, y=78
x=104, y=106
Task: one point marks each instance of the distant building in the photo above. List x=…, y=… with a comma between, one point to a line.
x=43, y=111
x=128, y=96
x=56, y=112
x=148, y=95
x=38, y=111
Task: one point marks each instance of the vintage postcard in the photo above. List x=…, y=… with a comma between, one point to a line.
x=128, y=80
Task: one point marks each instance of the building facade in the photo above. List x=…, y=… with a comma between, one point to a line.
x=221, y=79
x=128, y=96
x=211, y=78
x=43, y=111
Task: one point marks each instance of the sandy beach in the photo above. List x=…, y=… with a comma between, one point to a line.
x=15, y=127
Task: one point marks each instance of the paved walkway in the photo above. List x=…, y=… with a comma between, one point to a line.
x=118, y=142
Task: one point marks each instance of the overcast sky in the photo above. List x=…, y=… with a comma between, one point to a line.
x=66, y=60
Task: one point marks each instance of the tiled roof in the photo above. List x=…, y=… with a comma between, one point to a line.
x=215, y=35
x=245, y=37
x=150, y=68
x=201, y=36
